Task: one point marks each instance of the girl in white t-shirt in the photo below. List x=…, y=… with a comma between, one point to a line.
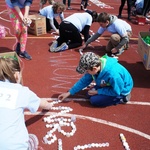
x=14, y=99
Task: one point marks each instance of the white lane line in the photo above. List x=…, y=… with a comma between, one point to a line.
x=82, y=99
x=52, y=37
x=139, y=103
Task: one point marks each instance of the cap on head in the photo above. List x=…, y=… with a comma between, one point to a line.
x=87, y=61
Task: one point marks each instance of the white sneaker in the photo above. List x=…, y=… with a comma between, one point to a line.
x=53, y=46
x=62, y=47
x=69, y=8
x=121, y=50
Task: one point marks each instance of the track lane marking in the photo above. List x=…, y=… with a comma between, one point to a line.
x=105, y=122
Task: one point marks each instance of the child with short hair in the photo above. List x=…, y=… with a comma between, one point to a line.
x=14, y=99
x=51, y=12
x=120, y=30
x=113, y=82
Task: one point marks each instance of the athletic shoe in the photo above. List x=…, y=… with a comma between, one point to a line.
x=126, y=46
x=121, y=50
x=69, y=8
x=18, y=48
x=53, y=46
x=119, y=16
x=82, y=7
x=129, y=18
x=126, y=99
x=25, y=55
x=62, y=47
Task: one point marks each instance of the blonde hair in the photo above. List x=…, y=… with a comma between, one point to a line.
x=57, y=5
x=8, y=67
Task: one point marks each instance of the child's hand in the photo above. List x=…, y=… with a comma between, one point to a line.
x=114, y=50
x=57, y=32
x=46, y=104
x=49, y=106
x=92, y=91
x=27, y=21
x=63, y=96
x=83, y=46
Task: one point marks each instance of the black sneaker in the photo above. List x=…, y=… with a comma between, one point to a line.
x=18, y=48
x=81, y=7
x=119, y=16
x=126, y=99
x=25, y=55
x=129, y=18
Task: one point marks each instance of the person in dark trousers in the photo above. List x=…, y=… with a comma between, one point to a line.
x=146, y=7
x=69, y=2
x=43, y=2
x=129, y=5
x=113, y=81
x=71, y=29
x=84, y=4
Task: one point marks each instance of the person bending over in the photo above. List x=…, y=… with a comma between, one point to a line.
x=71, y=29
x=113, y=82
x=121, y=32
x=51, y=12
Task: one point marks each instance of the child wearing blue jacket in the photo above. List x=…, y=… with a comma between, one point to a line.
x=113, y=82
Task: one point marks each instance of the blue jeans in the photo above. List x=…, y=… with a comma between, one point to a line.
x=104, y=100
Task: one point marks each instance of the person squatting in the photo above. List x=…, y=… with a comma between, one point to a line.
x=120, y=29
x=113, y=81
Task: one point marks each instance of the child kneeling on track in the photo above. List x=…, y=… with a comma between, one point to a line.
x=14, y=99
x=113, y=82
x=71, y=29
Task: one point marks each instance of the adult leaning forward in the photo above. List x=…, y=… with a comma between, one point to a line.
x=71, y=29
